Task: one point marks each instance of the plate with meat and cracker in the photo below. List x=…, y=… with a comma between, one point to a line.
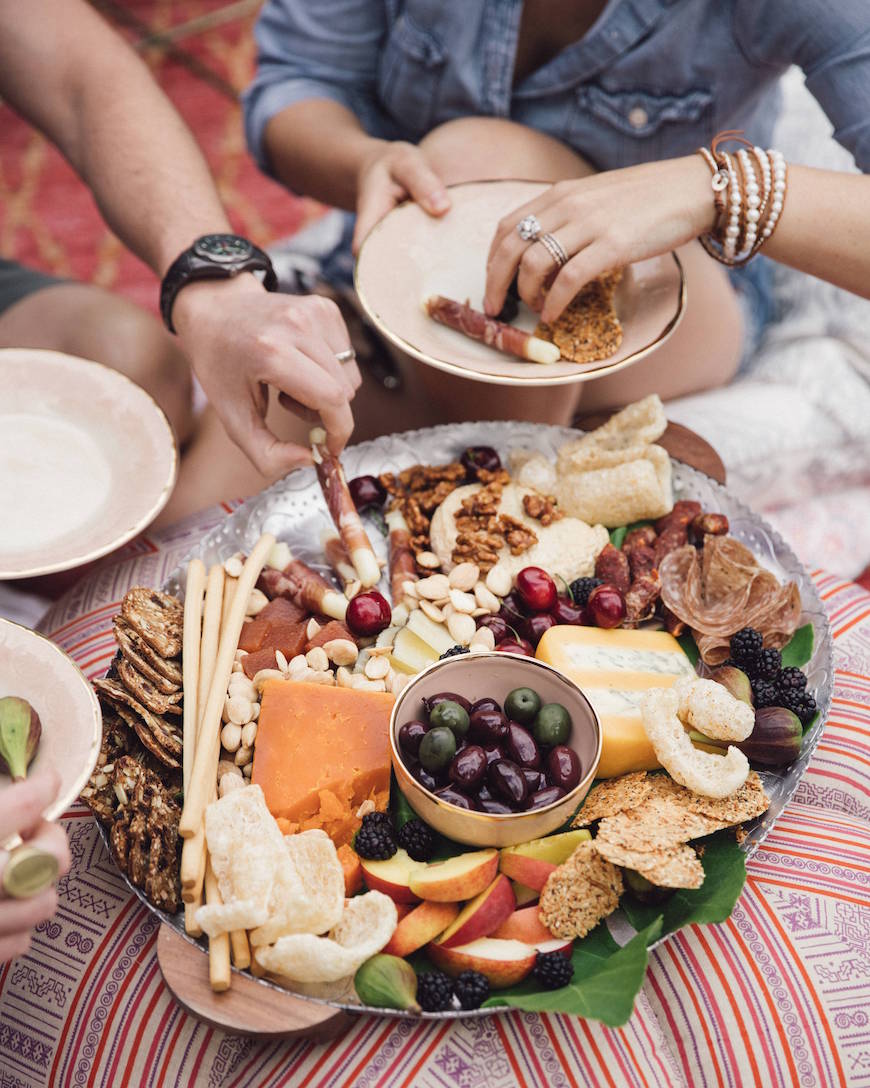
x=421, y=282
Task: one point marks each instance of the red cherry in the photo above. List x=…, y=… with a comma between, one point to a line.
x=480, y=457
x=368, y=614
x=536, y=626
x=367, y=491
x=513, y=611
x=606, y=606
x=497, y=624
x=537, y=589
x=568, y=612
x=516, y=646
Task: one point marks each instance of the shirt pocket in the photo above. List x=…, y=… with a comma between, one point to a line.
x=646, y=126
x=410, y=76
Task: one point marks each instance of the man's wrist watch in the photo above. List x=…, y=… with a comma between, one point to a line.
x=213, y=257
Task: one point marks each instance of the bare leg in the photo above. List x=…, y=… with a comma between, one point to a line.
x=94, y=324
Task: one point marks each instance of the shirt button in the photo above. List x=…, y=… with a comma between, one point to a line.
x=638, y=117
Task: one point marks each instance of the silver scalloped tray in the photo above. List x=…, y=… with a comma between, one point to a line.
x=293, y=509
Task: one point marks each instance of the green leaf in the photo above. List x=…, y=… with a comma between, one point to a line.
x=617, y=536
x=689, y=647
x=606, y=980
x=799, y=649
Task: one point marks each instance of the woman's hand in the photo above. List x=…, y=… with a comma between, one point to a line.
x=604, y=221
x=21, y=808
x=389, y=174
x=241, y=340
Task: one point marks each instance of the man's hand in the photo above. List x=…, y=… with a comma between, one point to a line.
x=241, y=340
x=389, y=174
x=21, y=808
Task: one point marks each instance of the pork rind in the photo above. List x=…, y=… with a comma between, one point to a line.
x=638, y=424
x=529, y=468
x=701, y=772
x=712, y=709
x=579, y=893
x=616, y=494
x=723, y=589
x=367, y=923
x=612, y=796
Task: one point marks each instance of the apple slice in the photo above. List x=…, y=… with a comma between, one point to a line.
x=504, y=963
x=523, y=895
x=410, y=653
x=460, y=877
x=531, y=863
x=393, y=876
x=564, y=946
x=420, y=926
x=524, y=925
x=483, y=915
x=436, y=634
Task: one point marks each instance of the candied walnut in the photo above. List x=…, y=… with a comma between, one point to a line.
x=542, y=508
x=518, y=537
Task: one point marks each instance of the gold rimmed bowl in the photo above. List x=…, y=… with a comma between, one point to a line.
x=493, y=675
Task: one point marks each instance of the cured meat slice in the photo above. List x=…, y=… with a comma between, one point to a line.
x=336, y=556
x=305, y=588
x=723, y=589
x=489, y=330
x=403, y=566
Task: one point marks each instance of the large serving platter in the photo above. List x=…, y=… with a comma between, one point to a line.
x=294, y=511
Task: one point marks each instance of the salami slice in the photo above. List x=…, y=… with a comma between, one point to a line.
x=490, y=331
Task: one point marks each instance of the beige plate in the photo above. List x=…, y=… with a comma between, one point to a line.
x=87, y=461
x=409, y=256
x=35, y=669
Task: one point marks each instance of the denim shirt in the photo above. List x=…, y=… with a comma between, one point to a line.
x=652, y=79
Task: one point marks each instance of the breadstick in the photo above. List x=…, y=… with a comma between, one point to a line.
x=230, y=585
x=211, y=627
x=256, y=969
x=240, y=948
x=202, y=780
x=218, y=947
x=193, y=594
x=191, y=927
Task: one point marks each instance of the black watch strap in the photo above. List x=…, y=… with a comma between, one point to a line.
x=213, y=257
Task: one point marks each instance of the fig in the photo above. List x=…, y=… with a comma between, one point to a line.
x=387, y=982
x=776, y=738
x=735, y=680
x=20, y=730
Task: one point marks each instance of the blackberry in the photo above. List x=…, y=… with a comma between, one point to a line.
x=434, y=991
x=375, y=841
x=791, y=679
x=378, y=819
x=746, y=645
x=766, y=693
x=805, y=707
x=418, y=839
x=582, y=587
x=767, y=665
x=472, y=989
x=553, y=970
x=454, y=651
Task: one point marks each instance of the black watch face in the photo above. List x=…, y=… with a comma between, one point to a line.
x=224, y=248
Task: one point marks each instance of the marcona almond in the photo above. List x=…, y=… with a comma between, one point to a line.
x=362, y=683
x=351, y=589
x=281, y=660
x=432, y=611
x=317, y=659
x=317, y=676
x=409, y=588
x=241, y=685
x=462, y=602
x=499, y=581
x=233, y=566
x=256, y=602
x=484, y=637
x=400, y=614
x=312, y=628
x=463, y=576
x=397, y=681
x=461, y=627
x=477, y=648
x=428, y=561
x=255, y=712
x=341, y=651
x=486, y=598
x=263, y=675
x=434, y=588
x=385, y=650
x=377, y=668
x=243, y=756
x=249, y=734
x=239, y=709
x=237, y=668
x=280, y=556
x=226, y=766
x=231, y=737
x=298, y=667
x=344, y=677
x=248, y=770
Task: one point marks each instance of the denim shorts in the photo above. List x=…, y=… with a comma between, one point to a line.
x=753, y=285
x=17, y=282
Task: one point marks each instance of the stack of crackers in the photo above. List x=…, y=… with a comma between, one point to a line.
x=645, y=823
x=588, y=329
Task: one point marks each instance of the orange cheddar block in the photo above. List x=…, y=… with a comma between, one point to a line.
x=320, y=753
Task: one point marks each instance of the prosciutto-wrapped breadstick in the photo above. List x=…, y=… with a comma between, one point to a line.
x=489, y=330
x=344, y=513
x=403, y=567
x=338, y=559
x=304, y=587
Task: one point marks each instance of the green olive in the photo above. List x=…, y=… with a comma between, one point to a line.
x=452, y=716
x=522, y=704
x=437, y=749
x=552, y=725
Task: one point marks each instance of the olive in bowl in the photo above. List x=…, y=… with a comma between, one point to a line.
x=492, y=781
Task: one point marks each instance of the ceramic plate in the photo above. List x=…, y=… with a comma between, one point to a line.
x=87, y=460
x=409, y=256
x=34, y=669
x=294, y=511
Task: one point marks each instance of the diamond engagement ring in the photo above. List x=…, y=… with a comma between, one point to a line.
x=346, y=356
x=529, y=228
x=555, y=248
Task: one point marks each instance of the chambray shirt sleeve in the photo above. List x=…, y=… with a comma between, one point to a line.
x=830, y=41
x=314, y=49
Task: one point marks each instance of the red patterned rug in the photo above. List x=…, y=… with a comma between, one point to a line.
x=203, y=59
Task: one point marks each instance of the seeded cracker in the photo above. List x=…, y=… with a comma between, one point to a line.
x=612, y=796
x=588, y=329
x=141, y=688
x=157, y=617
x=582, y=891
x=673, y=867
x=746, y=803
x=659, y=823
x=159, y=736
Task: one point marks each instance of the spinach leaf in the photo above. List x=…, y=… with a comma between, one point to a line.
x=799, y=649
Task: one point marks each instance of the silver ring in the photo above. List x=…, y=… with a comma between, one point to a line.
x=529, y=228
x=346, y=356
x=555, y=248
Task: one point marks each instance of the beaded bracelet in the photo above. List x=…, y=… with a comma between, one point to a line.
x=749, y=193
